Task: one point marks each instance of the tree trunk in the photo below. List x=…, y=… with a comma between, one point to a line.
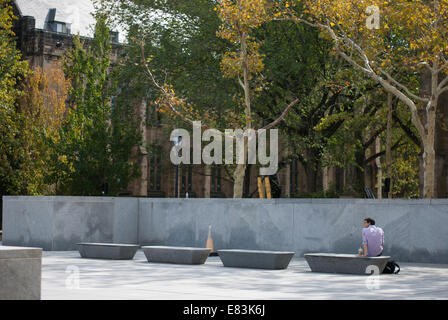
x=429, y=172
x=389, y=144
x=379, y=176
x=429, y=157
x=325, y=182
x=207, y=181
x=287, y=184
x=238, y=185
x=358, y=183
x=429, y=153
x=240, y=170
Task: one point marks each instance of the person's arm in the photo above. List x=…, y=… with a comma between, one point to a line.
x=364, y=242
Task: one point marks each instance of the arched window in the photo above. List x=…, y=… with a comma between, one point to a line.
x=155, y=172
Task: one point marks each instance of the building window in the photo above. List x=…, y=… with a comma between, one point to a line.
x=155, y=172
x=155, y=180
x=114, y=37
x=216, y=183
x=59, y=27
x=153, y=117
x=56, y=26
x=294, y=178
x=186, y=180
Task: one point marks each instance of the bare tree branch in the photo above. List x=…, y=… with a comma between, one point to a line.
x=443, y=90
x=389, y=77
x=442, y=84
x=407, y=130
x=372, y=139
x=241, y=82
x=160, y=87
x=425, y=64
x=373, y=157
x=282, y=116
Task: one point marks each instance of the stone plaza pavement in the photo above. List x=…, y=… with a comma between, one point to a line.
x=68, y=277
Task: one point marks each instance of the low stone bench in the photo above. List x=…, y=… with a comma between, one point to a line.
x=109, y=251
x=345, y=263
x=273, y=260
x=20, y=273
x=176, y=255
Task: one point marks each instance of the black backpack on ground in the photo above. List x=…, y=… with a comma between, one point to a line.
x=391, y=268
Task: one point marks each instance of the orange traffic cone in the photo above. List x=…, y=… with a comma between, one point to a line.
x=209, y=244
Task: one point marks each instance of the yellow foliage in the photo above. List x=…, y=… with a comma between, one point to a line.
x=239, y=19
x=411, y=31
x=45, y=96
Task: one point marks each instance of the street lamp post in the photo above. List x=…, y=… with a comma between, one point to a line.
x=177, y=145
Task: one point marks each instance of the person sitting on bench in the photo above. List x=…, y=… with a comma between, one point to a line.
x=372, y=239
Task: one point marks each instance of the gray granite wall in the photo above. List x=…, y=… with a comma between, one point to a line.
x=58, y=223
x=415, y=230
x=20, y=273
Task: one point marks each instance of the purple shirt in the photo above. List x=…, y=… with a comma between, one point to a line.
x=373, y=237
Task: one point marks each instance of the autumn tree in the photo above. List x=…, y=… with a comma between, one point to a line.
x=409, y=39
x=239, y=21
x=45, y=96
x=43, y=107
x=14, y=161
x=298, y=63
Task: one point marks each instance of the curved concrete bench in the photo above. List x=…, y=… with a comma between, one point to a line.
x=345, y=263
x=273, y=260
x=176, y=255
x=20, y=273
x=109, y=251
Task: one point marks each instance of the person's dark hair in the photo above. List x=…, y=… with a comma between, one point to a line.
x=370, y=220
